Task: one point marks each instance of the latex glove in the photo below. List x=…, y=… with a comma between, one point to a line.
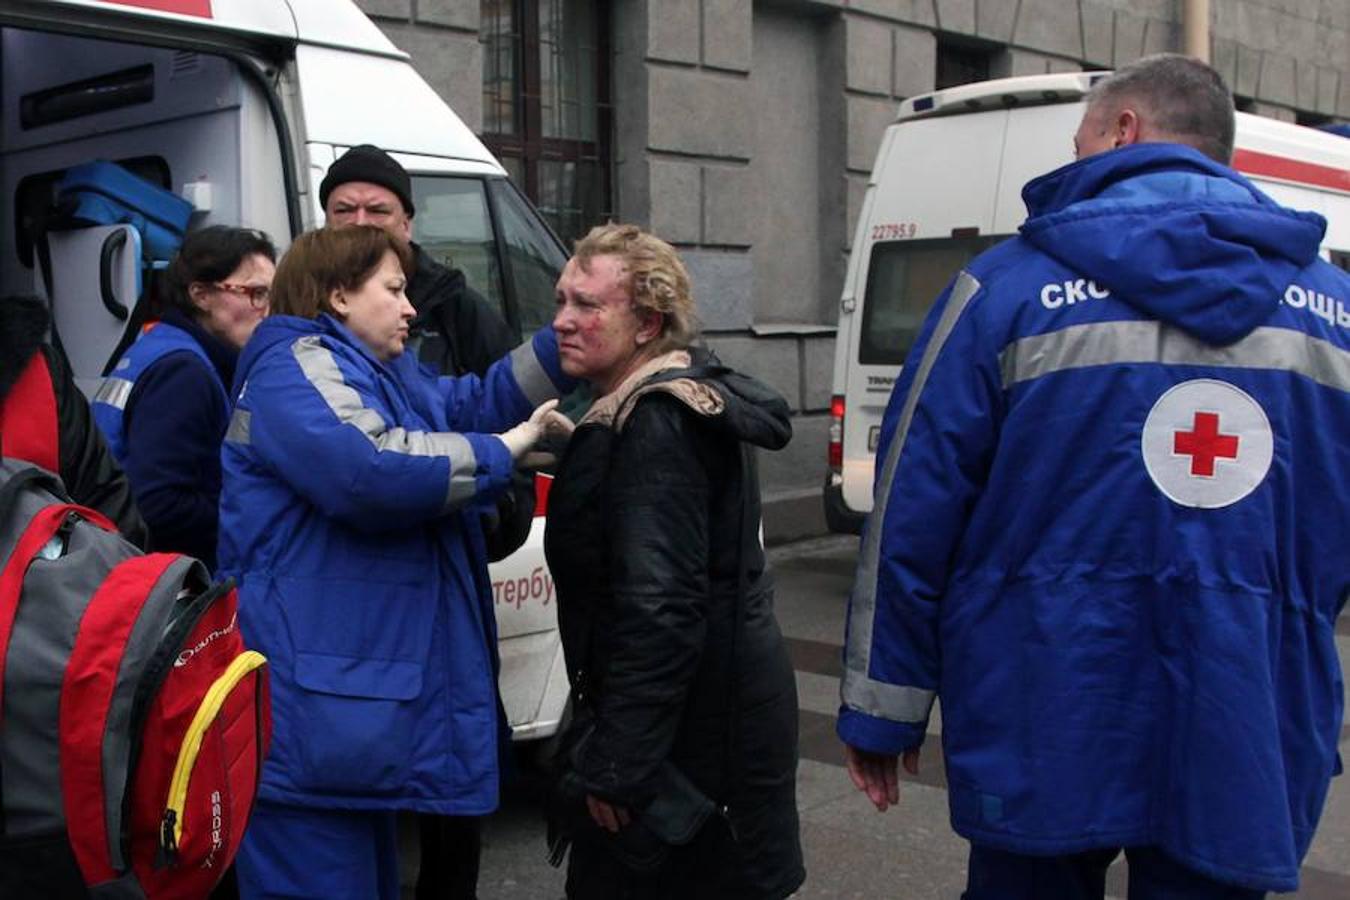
x=557, y=428
x=544, y=420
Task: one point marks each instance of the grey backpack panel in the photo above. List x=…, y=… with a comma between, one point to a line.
x=42, y=640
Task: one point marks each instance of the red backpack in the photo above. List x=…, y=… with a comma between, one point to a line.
x=133, y=722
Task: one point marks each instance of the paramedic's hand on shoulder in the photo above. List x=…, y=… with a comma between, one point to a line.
x=545, y=423
x=875, y=774
x=544, y=420
x=549, y=448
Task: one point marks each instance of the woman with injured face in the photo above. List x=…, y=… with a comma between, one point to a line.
x=676, y=777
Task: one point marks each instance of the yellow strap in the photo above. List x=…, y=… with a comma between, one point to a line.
x=242, y=665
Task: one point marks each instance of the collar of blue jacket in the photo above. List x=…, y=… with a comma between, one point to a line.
x=281, y=328
x=1161, y=224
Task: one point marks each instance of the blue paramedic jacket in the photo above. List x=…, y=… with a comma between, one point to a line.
x=110, y=400
x=164, y=410
x=350, y=517
x=1110, y=526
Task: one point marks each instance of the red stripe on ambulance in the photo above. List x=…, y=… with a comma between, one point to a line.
x=1268, y=165
x=200, y=8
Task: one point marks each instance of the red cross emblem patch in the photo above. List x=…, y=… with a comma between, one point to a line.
x=1207, y=443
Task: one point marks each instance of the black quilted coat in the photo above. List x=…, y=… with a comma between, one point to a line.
x=672, y=649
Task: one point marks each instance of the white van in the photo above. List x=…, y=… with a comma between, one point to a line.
x=241, y=106
x=947, y=184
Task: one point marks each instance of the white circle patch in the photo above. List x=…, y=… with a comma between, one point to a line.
x=1207, y=443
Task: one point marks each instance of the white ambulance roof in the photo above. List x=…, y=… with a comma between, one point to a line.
x=339, y=23
x=354, y=99
x=398, y=110
x=269, y=18
x=1002, y=93
x=1266, y=148
x=356, y=86
x=333, y=23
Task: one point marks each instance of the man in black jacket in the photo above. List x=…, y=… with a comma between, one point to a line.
x=85, y=463
x=456, y=332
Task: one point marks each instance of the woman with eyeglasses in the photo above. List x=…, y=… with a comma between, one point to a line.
x=166, y=404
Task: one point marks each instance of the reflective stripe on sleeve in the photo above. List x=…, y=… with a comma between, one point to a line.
x=113, y=392
x=1115, y=343
x=237, y=433
x=859, y=691
x=530, y=375
x=321, y=369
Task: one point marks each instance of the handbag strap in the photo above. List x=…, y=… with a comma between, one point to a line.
x=748, y=535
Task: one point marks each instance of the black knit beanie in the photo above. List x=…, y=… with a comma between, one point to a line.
x=370, y=164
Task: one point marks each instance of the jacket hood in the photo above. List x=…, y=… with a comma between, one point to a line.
x=754, y=413
x=271, y=331
x=739, y=405
x=751, y=411
x=274, y=330
x=1174, y=234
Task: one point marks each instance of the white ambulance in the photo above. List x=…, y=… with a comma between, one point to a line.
x=241, y=106
x=947, y=185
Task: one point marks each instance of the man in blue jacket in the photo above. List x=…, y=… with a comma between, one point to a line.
x=1112, y=500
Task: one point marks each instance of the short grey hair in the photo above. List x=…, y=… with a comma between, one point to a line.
x=1177, y=95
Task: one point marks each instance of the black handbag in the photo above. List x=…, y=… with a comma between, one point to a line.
x=673, y=818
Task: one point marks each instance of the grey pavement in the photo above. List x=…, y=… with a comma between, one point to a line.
x=852, y=851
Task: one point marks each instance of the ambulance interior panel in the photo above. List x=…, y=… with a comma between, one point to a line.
x=176, y=117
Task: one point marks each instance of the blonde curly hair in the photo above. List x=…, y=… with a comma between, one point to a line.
x=655, y=278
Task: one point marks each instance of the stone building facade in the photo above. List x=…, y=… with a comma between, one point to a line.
x=743, y=132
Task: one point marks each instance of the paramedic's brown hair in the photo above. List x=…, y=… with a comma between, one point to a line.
x=330, y=259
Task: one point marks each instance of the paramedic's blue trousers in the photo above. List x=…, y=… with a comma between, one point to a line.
x=295, y=852
x=997, y=875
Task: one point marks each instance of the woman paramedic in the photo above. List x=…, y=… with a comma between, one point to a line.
x=353, y=486
x=165, y=407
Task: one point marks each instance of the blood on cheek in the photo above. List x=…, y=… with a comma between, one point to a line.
x=588, y=323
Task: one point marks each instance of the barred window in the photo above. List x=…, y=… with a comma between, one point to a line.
x=546, y=105
x=961, y=62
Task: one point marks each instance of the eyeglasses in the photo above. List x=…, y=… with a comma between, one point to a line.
x=257, y=294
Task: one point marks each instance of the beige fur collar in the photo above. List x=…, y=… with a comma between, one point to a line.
x=612, y=409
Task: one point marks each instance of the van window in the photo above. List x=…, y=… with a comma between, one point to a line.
x=903, y=280
x=452, y=225
x=125, y=87
x=534, y=257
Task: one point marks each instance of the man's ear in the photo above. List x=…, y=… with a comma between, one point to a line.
x=1126, y=129
x=337, y=301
